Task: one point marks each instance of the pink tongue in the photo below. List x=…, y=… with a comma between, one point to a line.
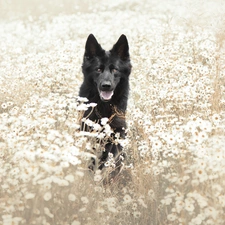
x=106, y=95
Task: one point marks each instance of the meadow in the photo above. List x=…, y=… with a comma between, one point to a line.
x=174, y=172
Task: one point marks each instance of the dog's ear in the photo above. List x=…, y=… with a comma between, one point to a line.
x=121, y=48
x=92, y=47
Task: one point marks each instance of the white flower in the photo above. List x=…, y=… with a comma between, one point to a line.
x=127, y=199
x=136, y=214
x=151, y=194
x=211, y=212
x=189, y=205
x=100, y=210
x=47, y=196
x=70, y=178
x=201, y=174
x=108, y=131
x=84, y=200
x=172, y=217
x=104, y=121
x=74, y=150
x=92, y=104
x=4, y=105
x=179, y=205
x=72, y=197
x=30, y=195
x=97, y=127
x=47, y=212
x=98, y=176
x=197, y=220
x=82, y=107
x=59, y=181
x=216, y=118
x=82, y=99
x=206, y=126
x=141, y=202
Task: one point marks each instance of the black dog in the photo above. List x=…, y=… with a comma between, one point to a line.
x=106, y=83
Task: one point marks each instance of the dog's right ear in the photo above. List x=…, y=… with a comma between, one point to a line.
x=92, y=47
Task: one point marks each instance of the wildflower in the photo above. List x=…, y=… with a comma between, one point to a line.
x=167, y=200
x=140, y=122
x=127, y=199
x=4, y=115
x=217, y=189
x=100, y=210
x=60, y=182
x=70, y=178
x=202, y=201
x=199, y=137
x=194, y=183
x=47, y=196
x=206, y=126
x=179, y=205
x=14, y=110
x=89, y=122
x=134, y=206
x=98, y=176
x=130, y=123
x=151, y=194
x=216, y=118
x=189, y=205
x=47, y=212
x=136, y=214
x=141, y=202
x=82, y=107
x=80, y=173
x=172, y=217
x=74, y=150
x=179, y=137
x=104, y=121
x=190, y=127
x=156, y=144
x=92, y=104
x=170, y=139
x=211, y=212
x=201, y=174
x=218, y=155
x=82, y=99
x=84, y=200
x=180, y=181
x=72, y=197
x=97, y=127
x=29, y=195
x=4, y=105
x=108, y=131
x=198, y=220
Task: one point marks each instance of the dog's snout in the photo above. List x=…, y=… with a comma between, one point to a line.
x=106, y=85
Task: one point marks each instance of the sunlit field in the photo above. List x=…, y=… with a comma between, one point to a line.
x=174, y=171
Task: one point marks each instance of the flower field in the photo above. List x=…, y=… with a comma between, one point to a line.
x=174, y=172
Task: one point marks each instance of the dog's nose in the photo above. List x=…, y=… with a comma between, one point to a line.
x=106, y=85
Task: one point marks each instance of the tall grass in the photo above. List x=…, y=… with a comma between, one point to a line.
x=175, y=168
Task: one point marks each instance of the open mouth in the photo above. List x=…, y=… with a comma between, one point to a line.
x=106, y=95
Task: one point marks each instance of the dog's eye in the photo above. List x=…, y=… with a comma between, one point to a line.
x=99, y=70
x=114, y=70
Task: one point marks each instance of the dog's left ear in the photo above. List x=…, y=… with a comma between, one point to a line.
x=121, y=48
x=92, y=47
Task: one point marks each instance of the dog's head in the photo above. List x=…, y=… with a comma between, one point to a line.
x=106, y=71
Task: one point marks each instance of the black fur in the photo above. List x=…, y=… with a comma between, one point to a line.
x=106, y=82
